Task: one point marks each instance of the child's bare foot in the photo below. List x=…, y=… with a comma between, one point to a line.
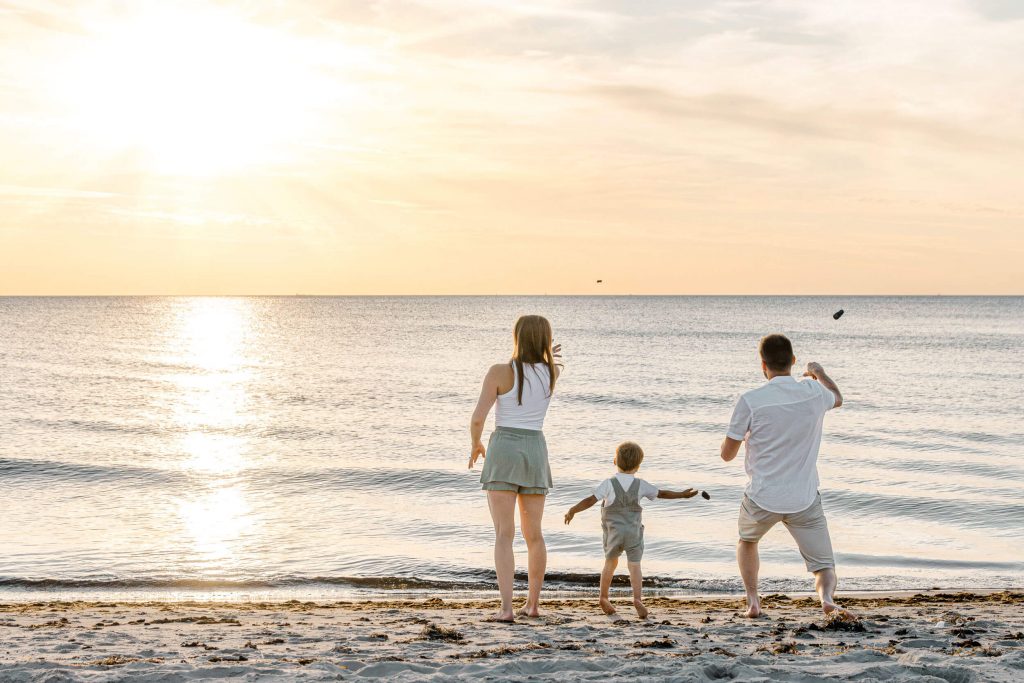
x=533, y=612
x=641, y=611
x=607, y=607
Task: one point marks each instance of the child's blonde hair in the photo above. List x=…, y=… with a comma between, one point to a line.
x=628, y=456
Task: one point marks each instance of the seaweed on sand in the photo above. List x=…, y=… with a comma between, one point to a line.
x=434, y=632
x=840, y=620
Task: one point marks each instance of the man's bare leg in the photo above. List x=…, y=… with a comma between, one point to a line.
x=606, y=583
x=749, y=561
x=825, y=585
x=636, y=582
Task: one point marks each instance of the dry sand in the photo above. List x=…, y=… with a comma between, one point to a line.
x=924, y=637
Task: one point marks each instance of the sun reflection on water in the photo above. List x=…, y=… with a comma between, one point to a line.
x=209, y=339
x=216, y=520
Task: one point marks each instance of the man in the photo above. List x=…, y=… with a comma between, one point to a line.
x=781, y=424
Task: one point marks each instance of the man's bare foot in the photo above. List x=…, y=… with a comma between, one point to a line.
x=843, y=614
x=528, y=612
x=607, y=607
x=641, y=611
x=753, y=607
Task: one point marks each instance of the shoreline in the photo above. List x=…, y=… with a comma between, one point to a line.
x=476, y=600
x=582, y=595
x=976, y=635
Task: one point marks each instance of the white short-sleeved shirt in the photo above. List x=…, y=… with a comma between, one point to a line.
x=605, y=492
x=781, y=424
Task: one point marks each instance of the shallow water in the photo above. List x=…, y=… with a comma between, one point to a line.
x=317, y=446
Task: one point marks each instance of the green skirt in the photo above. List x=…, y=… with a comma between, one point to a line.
x=518, y=457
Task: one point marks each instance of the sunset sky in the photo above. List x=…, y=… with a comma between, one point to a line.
x=480, y=147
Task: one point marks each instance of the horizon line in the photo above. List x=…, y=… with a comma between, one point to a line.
x=470, y=295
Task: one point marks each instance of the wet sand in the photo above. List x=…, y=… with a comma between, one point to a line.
x=926, y=636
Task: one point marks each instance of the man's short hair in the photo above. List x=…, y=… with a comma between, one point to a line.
x=628, y=456
x=777, y=352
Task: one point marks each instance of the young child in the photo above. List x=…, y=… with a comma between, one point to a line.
x=622, y=522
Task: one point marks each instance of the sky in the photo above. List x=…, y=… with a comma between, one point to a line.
x=495, y=147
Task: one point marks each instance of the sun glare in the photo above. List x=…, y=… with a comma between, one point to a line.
x=194, y=92
x=216, y=519
x=209, y=336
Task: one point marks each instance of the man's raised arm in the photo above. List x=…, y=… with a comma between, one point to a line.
x=815, y=371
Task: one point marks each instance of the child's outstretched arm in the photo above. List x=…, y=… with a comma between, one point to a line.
x=688, y=493
x=580, y=507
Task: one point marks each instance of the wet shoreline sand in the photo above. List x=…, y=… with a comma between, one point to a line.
x=920, y=636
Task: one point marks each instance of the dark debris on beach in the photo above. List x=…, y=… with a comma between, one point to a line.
x=661, y=643
x=434, y=632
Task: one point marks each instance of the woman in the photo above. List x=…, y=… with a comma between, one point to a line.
x=516, y=458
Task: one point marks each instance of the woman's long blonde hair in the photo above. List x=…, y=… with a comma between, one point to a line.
x=532, y=344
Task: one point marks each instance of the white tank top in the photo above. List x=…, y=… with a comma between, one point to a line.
x=536, y=397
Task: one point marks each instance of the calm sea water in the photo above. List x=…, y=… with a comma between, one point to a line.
x=318, y=446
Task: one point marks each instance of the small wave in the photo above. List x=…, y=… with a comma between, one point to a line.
x=289, y=433
x=93, y=426
x=862, y=439
x=669, y=402
x=969, y=513
x=382, y=583
x=347, y=478
x=941, y=467
x=13, y=469
x=474, y=580
x=925, y=562
x=943, y=435
x=581, y=580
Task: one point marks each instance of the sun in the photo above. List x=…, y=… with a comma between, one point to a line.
x=194, y=90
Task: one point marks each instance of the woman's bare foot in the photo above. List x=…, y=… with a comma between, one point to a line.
x=505, y=617
x=607, y=607
x=641, y=610
x=753, y=607
x=528, y=612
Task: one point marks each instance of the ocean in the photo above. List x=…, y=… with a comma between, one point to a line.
x=316, y=447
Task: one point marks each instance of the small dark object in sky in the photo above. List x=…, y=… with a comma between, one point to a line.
x=705, y=495
x=838, y=314
x=600, y=281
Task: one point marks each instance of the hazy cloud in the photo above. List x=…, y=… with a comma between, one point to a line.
x=391, y=143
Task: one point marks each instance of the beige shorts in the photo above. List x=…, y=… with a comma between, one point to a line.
x=808, y=528
x=515, y=488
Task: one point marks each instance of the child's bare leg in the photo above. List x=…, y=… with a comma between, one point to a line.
x=606, y=583
x=636, y=582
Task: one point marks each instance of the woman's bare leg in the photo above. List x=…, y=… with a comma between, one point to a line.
x=502, y=505
x=531, y=513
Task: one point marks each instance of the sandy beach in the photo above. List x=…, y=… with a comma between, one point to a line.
x=925, y=636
